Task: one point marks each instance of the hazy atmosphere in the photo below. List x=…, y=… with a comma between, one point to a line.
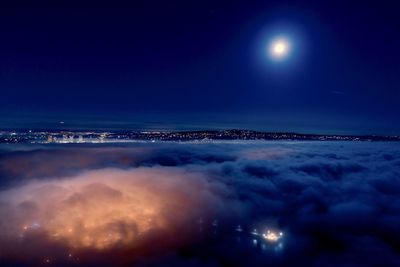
x=211, y=133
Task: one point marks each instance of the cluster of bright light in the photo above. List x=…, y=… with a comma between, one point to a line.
x=279, y=48
x=272, y=236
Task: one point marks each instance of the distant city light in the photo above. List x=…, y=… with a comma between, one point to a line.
x=239, y=228
x=272, y=236
x=254, y=232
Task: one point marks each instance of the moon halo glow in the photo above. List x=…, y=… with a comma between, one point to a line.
x=279, y=48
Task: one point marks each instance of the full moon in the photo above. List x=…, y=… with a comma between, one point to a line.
x=279, y=48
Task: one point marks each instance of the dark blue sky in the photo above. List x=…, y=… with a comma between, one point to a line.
x=202, y=64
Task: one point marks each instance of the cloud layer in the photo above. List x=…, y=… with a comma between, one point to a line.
x=337, y=203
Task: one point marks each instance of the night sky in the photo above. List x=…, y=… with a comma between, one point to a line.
x=202, y=64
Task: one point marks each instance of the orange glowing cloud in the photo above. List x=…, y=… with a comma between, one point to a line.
x=105, y=208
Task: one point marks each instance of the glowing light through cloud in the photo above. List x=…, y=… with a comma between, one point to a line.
x=272, y=236
x=105, y=208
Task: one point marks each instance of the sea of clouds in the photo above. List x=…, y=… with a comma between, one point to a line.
x=152, y=204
